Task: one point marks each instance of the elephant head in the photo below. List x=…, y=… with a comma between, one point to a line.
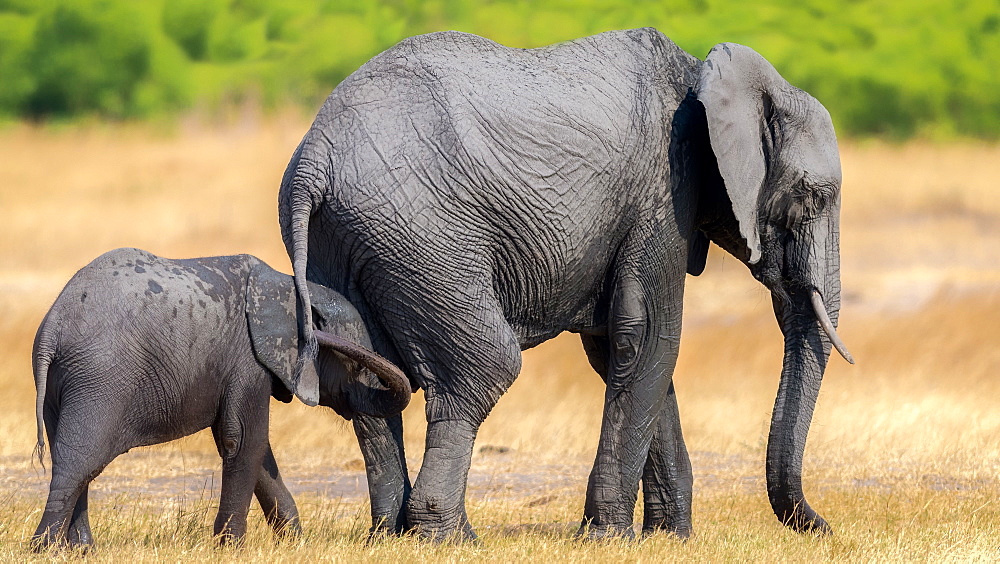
x=344, y=374
x=770, y=171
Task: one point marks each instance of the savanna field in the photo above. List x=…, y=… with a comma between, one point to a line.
x=903, y=457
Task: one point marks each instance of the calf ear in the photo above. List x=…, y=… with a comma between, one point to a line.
x=335, y=314
x=271, y=311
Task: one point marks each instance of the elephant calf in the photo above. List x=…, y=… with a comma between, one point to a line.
x=139, y=350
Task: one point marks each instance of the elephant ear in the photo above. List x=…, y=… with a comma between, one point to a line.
x=271, y=318
x=736, y=87
x=698, y=253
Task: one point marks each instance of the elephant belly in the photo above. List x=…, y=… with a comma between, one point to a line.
x=556, y=292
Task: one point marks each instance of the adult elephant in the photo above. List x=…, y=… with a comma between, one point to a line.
x=473, y=200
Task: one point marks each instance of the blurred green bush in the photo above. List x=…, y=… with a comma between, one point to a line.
x=883, y=68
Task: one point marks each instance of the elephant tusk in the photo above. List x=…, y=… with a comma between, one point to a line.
x=827, y=325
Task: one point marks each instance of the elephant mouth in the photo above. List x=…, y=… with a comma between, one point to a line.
x=781, y=271
x=340, y=403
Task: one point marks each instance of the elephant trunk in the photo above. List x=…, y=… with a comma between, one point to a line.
x=807, y=314
x=370, y=400
x=806, y=353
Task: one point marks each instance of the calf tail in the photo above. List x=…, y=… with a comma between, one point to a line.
x=41, y=359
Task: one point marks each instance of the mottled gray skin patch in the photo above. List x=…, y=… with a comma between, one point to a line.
x=474, y=200
x=163, y=348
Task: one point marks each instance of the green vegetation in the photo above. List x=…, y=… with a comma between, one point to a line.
x=882, y=67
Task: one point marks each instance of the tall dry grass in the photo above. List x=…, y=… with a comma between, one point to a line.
x=903, y=456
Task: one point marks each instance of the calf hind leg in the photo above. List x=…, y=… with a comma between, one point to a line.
x=79, y=454
x=275, y=500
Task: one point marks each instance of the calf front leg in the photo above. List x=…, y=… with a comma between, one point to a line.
x=381, y=442
x=241, y=437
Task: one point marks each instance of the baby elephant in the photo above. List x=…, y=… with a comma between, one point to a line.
x=139, y=350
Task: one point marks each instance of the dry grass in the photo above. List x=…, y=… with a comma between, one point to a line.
x=903, y=458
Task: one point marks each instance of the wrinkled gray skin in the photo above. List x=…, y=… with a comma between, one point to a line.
x=138, y=350
x=474, y=200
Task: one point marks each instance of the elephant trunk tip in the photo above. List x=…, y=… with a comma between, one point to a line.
x=398, y=390
x=824, y=321
x=795, y=513
x=807, y=521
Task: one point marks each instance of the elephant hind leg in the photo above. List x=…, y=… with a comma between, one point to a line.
x=463, y=381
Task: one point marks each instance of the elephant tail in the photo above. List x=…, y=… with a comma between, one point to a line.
x=295, y=208
x=308, y=346
x=42, y=356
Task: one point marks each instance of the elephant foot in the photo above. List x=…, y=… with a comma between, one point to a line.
x=385, y=526
x=80, y=537
x=443, y=530
x=593, y=532
x=678, y=527
x=229, y=538
x=445, y=534
x=816, y=525
x=47, y=538
x=681, y=532
x=290, y=530
x=44, y=543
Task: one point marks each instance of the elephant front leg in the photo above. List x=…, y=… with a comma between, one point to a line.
x=381, y=442
x=666, y=478
x=644, y=333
